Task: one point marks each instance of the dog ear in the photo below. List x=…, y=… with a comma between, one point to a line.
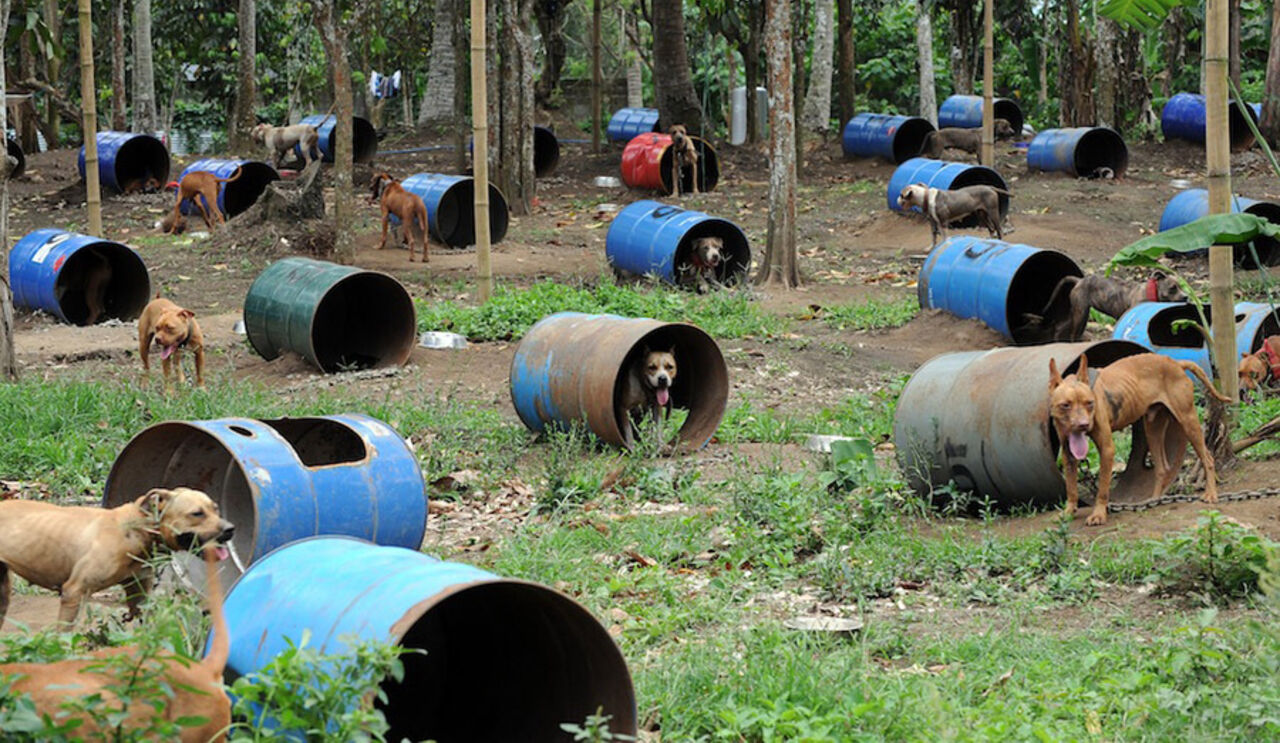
x=188, y=314
x=1055, y=378
x=155, y=500
x=1083, y=372
x=1159, y=275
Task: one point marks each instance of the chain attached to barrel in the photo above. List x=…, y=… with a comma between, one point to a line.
x=1254, y=494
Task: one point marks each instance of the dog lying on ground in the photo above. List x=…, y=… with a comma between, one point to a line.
x=200, y=187
x=172, y=328
x=700, y=272
x=149, y=184
x=1147, y=387
x=1260, y=366
x=969, y=140
x=944, y=207
x=196, y=687
x=90, y=281
x=646, y=387
x=685, y=156
x=407, y=206
x=1107, y=295
x=79, y=550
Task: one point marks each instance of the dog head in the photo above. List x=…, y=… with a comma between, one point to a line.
x=913, y=195
x=1004, y=130
x=378, y=184
x=1253, y=371
x=259, y=132
x=1166, y=288
x=708, y=252
x=172, y=330
x=1071, y=403
x=186, y=519
x=677, y=131
x=659, y=372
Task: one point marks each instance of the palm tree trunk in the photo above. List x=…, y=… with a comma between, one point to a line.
x=53, y=68
x=243, y=118
x=846, y=64
x=677, y=101
x=1271, y=94
x=779, y=263
x=437, y=102
x=924, y=55
x=334, y=39
x=118, y=51
x=144, y=71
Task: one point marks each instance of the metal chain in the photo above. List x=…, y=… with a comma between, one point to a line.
x=1254, y=494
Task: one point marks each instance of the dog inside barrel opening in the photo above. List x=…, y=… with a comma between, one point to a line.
x=101, y=282
x=696, y=393
x=711, y=255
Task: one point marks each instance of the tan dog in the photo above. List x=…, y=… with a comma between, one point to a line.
x=647, y=386
x=405, y=205
x=196, y=687
x=1147, y=387
x=201, y=189
x=172, y=328
x=702, y=269
x=78, y=550
x=149, y=184
x=1260, y=366
x=686, y=156
x=280, y=140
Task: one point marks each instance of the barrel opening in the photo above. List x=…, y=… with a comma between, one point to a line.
x=1010, y=112
x=980, y=176
x=546, y=151
x=1101, y=148
x=735, y=254
x=364, y=321
x=321, y=442
x=1161, y=331
x=1241, y=135
x=909, y=138
x=1267, y=248
x=701, y=385
x=455, y=220
x=243, y=192
x=708, y=169
x=1030, y=288
x=15, y=151
x=364, y=140
x=506, y=661
x=112, y=271
x=1268, y=327
x=140, y=158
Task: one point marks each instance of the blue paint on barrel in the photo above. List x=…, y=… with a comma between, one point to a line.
x=1193, y=203
x=944, y=175
x=1080, y=151
x=1183, y=117
x=1151, y=324
x=49, y=270
x=540, y=658
x=125, y=158
x=1255, y=322
x=627, y=123
x=282, y=480
x=364, y=137
x=651, y=238
x=450, y=202
x=894, y=138
x=236, y=196
x=965, y=111
x=993, y=281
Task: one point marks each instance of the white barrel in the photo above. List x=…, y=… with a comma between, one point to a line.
x=738, y=106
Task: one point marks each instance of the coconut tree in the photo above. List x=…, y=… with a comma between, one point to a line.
x=779, y=263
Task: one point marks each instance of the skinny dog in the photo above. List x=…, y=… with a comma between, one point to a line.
x=1147, y=387
x=702, y=269
x=944, y=207
x=281, y=139
x=1260, y=366
x=969, y=140
x=647, y=386
x=405, y=205
x=172, y=328
x=1109, y=296
x=686, y=156
x=200, y=187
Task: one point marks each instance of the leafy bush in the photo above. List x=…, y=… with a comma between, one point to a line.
x=1219, y=559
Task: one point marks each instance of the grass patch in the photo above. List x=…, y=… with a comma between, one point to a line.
x=873, y=314
x=865, y=416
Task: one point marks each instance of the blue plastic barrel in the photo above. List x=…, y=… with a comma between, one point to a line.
x=651, y=238
x=1151, y=324
x=128, y=158
x=945, y=175
x=1255, y=322
x=894, y=138
x=965, y=111
x=450, y=202
x=993, y=281
x=285, y=479
x=1193, y=203
x=238, y=195
x=1183, y=117
x=629, y=122
x=52, y=270
x=500, y=660
x=1080, y=151
x=365, y=137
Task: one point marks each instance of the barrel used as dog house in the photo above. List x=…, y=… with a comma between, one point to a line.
x=996, y=282
x=451, y=214
x=364, y=137
x=894, y=138
x=980, y=420
x=1152, y=325
x=945, y=175
x=234, y=196
x=1193, y=203
x=628, y=123
x=337, y=317
x=54, y=270
x=651, y=238
x=15, y=151
x=126, y=158
x=546, y=151
x=282, y=480
x=965, y=111
x=1183, y=117
x=647, y=163
x=1080, y=151
x=502, y=659
x=570, y=368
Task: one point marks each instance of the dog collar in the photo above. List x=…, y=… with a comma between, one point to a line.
x=1273, y=359
x=1153, y=290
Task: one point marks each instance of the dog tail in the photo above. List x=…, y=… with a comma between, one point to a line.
x=239, y=172
x=1002, y=192
x=220, y=650
x=1195, y=369
x=1067, y=283
x=927, y=142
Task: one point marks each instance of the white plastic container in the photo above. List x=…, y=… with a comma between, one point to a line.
x=738, y=122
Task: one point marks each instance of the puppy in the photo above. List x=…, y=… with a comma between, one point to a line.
x=1110, y=296
x=195, y=688
x=172, y=328
x=78, y=550
x=90, y=282
x=969, y=140
x=701, y=271
x=407, y=206
x=280, y=140
x=149, y=184
x=686, y=156
x=1260, y=366
x=201, y=189
x=944, y=207
x=647, y=386
x=1147, y=387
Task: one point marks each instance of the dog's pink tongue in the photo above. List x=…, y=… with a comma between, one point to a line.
x=221, y=553
x=164, y=354
x=663, y=395
x=1079, y=444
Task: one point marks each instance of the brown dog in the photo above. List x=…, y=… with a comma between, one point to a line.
x=201, y=189
x=149, y=184
x=942, y=207
x=1110, y=296
x=686, y=156
x=1147, y=387
x=172, y=328
x=969, y=140
x=647, y=386
x=1260, y=366
x=79, y=550
x=196, y=689
x=405, y=205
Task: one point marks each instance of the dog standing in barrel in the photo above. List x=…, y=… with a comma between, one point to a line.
x=646, y=387
x=942, y=207
x=685, y=156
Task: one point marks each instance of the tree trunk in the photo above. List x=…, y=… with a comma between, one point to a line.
x=1075, y=74
x=144, y=71
x=1104, y=48
x=635, y=70
x=1042, y=96
x=334, y=39
x=118, y=52
x=924, y=55
x=243, y=118
x=513, y=174
x=8, y=360
x=437, y=107
x=677, y=101
x=1271, y=93
x=751, y=75
x=817, y=102
x=597, y=75
x=53, y=68
x=799, y=41
x=779, y=264
x=461, y=91
x=550, y=16
x=89, y=122
x=846, y=72
x=962, y=33
x=988, y=148
x=480, y=134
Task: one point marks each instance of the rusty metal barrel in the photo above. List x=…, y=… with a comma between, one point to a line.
x=569, y=369
x=980, y=420
x=647, y=162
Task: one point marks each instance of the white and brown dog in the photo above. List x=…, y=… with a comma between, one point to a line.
x=942, y=207
x=281, y=139
x=646, y=388
x=702, y=269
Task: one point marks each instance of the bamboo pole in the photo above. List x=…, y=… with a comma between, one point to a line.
x=988, y=86
x=597, y=79
x=1218, y=161
x=480, y=156
x=89, y=108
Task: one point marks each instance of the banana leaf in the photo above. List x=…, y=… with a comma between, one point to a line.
x=1212, y=229
x=1143, y=15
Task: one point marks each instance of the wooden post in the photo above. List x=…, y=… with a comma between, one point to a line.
x=597, y=80
x=988, y=86
x=480, y=155
x=1218, y=160
x=88, y=102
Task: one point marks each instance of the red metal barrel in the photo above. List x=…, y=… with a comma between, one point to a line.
x=646, y=163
